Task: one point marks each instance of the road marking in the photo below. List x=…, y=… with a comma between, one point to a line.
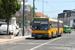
x=59, y=44
x=24, y=43
x=60, y=48
x=45, y=43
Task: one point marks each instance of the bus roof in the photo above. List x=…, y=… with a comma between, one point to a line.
x=50, y=19
x=55, y=20
x=40, y=17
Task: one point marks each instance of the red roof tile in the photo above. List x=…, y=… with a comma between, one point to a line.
x=41, y=14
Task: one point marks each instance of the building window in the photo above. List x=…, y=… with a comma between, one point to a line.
x=72, y=14
x=61, y=15
x=74, y=20
x=68, y=14
x=25, y=7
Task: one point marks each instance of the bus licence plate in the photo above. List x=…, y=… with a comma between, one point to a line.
x=39, y=35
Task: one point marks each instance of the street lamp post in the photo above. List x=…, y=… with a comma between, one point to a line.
x=23, y=16
x=33, y=8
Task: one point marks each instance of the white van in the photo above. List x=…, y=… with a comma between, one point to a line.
x=12, y=29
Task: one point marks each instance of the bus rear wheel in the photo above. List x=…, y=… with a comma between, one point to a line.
x=52, y=35
x=56, y=34
x=60, y=34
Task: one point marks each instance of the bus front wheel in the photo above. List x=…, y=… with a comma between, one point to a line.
x=36, y=37
x=69, y=32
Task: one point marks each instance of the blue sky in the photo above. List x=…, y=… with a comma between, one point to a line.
x=53, y=7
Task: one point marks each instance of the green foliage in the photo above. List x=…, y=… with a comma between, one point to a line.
x=31, y=9
x=8, y=8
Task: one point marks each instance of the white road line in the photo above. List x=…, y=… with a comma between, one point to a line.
x=24, y=43
x=45, y=43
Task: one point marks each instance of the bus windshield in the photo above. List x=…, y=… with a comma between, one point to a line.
x=40, y=24
x=67, y=27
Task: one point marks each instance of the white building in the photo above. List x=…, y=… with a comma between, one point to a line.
x=27, y=8
x=20, y=12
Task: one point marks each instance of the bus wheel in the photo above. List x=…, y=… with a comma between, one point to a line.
x=56, y=34
x=69, y=32
x=17, y=34
x=36, y=37
x=52, y=35
x=60, y=34
x=65, y=32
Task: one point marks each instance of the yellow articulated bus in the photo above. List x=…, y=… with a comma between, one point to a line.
x=46, y=27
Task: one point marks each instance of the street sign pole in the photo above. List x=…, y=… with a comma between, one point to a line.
x=23, y=16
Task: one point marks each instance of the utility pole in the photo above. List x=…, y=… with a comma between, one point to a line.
x=43, y=6
x=23, y=16
x=65, y=18
x=33, y=8
x=69, y=20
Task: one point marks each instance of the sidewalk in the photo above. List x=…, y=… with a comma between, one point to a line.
x=8, y=41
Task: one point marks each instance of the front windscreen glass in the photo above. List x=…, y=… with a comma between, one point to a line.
x=40, y=24
x=67, y=27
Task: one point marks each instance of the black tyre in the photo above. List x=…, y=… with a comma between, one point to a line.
x=56, y=34
x=17, y=34
x=10, y=33
x=60, y=34
x=52, y=35
x=69, y=32
x=36, y=37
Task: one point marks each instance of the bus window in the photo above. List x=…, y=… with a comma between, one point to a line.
x=61, y=25
x=68, y=27
x=53, y=24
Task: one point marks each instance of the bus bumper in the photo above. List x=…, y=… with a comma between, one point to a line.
x=39, y=35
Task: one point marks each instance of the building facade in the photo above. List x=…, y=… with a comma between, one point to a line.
x=19, y=14
x=27, y=8
x=68, y=17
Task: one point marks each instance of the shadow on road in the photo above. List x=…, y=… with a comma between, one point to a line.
x=39, y=38
x=66, y=33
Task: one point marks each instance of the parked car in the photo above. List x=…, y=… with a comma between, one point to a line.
x=12, y=29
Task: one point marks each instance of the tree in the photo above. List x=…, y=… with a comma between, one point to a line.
x=8, y=8
x=31, y=11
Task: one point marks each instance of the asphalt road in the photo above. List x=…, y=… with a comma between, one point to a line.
x=66, y=42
